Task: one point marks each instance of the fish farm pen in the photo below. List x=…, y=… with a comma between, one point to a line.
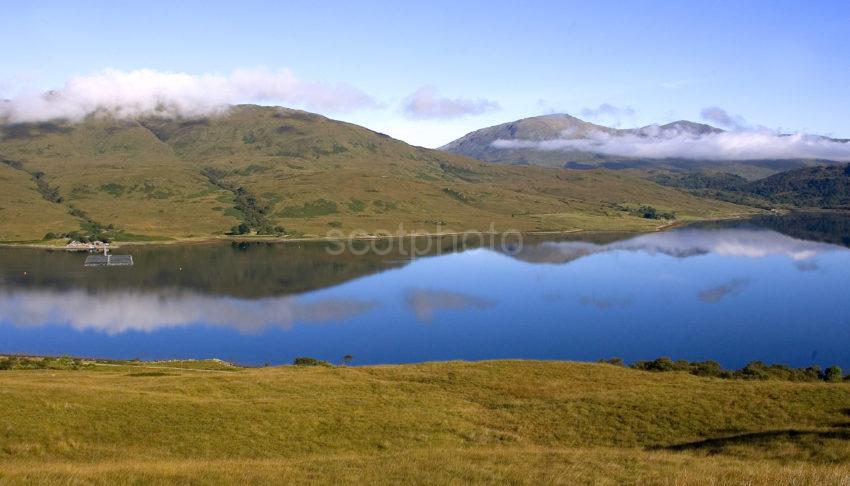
x=109, y=261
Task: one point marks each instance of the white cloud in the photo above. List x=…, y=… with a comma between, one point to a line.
x=719, y=116
x=740, y=145
x=607, y=110
x=147, y=91
x=427, y=103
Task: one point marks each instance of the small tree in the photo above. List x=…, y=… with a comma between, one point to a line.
x=240, y=229
x=833, y=374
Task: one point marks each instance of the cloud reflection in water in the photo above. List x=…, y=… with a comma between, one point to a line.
x=744, y=243
x=425, y=303
x=118, y=312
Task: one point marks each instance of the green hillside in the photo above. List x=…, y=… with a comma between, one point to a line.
x=811, y=187
x=282, y=172
x=516, y=422
x=821, y=187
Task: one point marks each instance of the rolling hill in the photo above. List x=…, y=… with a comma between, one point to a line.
x=556, y=141
x=503, y=422
x=281, y=172
x=819, y=187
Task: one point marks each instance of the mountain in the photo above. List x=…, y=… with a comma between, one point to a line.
x=281, y=172
x=681, y=126
x=561, y=140
x=479, y=144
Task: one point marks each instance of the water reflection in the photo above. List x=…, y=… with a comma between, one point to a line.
x=425, y=303
x=684, y=243
x=726, y=293
x=604, y=302
x=716, y=294
x=122, y=311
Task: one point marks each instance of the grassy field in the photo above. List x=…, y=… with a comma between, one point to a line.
x=520, y=422
x=289, y=172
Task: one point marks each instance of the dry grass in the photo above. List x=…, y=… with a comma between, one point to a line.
x=518, y=422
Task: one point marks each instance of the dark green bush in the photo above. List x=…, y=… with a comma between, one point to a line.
x=754, y=370
x=833, y=374
x=706, y=368
x=307, y=361
x=660, y=364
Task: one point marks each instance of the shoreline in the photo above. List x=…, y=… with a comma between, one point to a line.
x=315, y=239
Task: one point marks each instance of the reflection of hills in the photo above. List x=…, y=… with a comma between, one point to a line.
x=828, y=227
x=255, y=270
x=562, y=252
x=249, y=270
x=683, y=243
x=566, y=248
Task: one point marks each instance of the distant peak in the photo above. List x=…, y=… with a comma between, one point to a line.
x=692, y=127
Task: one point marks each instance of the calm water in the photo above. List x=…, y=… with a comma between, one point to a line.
x=775, y=289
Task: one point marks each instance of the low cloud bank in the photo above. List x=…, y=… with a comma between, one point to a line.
x=146, y=91
x=426, y=103
x=662, y=144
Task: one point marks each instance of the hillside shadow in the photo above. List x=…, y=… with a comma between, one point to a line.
x=766, y=438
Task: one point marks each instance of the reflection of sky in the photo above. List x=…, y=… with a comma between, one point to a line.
x=730, y=295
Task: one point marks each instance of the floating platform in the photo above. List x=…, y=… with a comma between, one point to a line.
x=109, y=261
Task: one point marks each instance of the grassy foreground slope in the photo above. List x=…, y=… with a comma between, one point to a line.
x=454, y=422
x=283, y=171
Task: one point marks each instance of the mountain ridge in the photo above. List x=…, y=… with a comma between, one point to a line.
x=513, y=143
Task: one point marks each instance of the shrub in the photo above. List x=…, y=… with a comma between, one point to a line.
x=649, y=212
x=660, y=364
x=833, y=374
x=754, y=370
x=307, y=361
x=707, y=368
x=240, y=229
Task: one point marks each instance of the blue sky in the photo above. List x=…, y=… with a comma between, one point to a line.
x=432, y=71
